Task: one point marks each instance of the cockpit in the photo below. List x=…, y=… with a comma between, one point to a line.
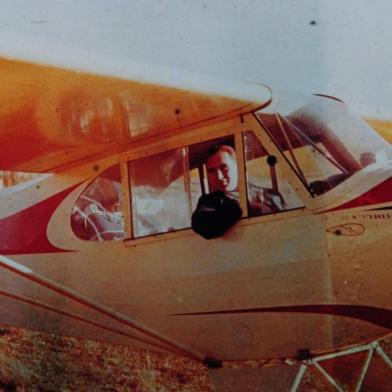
x=325, y=143
x=319, y=144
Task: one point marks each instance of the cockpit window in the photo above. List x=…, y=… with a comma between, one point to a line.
x=324, y=142
x=97, y=214
x=160, y=195
x=166, y=187
x=218, y=208
x=268, y=191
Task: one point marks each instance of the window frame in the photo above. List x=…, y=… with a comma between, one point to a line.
x=288, y=171
x=268, y=154
x=235, y=127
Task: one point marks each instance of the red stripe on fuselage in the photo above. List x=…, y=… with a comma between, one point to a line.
x=25, y=232
x=378, y=316
x=382, y=193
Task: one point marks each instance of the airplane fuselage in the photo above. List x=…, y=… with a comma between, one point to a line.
x=314, y=277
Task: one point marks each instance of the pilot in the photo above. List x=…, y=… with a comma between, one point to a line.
x=222, y=171
x=222, y=174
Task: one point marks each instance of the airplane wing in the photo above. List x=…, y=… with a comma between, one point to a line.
x=52, y=116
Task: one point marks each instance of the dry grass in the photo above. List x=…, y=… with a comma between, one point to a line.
x=32, y=361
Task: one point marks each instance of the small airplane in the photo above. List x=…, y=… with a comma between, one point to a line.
x=98, y=241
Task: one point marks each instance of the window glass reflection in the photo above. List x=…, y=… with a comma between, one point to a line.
x=268, y=190
x=97, y=214
x=324, y=142
x=160, y=199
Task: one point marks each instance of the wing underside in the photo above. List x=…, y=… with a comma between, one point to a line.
x=51, y=116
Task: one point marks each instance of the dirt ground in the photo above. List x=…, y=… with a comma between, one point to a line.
x=32, y=361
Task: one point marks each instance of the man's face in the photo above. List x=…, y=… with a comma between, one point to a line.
x=222, y=172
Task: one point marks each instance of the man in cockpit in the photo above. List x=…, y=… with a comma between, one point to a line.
x=222, y=173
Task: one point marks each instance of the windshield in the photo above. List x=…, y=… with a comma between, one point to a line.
x=323, y=141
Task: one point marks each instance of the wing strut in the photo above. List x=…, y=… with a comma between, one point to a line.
x=29, y=274
x=76, y=317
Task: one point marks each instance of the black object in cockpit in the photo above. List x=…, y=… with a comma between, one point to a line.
x=214, y=214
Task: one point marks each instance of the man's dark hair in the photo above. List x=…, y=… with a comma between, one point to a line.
x=224, y=148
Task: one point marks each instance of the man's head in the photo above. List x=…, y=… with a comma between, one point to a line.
x=222, y=169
